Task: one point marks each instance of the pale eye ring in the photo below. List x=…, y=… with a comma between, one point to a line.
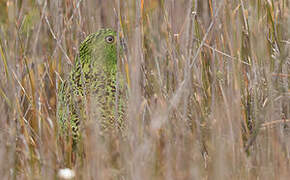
x=109, y=39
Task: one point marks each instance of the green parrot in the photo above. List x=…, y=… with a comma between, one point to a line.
x=91, y=92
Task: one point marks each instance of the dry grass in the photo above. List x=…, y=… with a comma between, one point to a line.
x=209, y=88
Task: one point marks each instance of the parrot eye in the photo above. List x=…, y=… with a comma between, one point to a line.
x=109, y=39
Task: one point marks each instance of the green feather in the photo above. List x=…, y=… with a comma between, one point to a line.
x=90, y=89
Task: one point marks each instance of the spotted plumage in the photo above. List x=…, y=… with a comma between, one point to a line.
x=90, y=92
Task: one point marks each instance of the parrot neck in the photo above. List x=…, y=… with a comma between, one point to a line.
x=84, y=74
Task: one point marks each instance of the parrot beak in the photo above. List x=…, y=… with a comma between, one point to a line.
x=123, y=45
x=125, y=60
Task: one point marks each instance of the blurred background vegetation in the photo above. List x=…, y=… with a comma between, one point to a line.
x=209, y=88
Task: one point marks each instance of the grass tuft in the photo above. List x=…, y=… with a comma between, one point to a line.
x=208, y=89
